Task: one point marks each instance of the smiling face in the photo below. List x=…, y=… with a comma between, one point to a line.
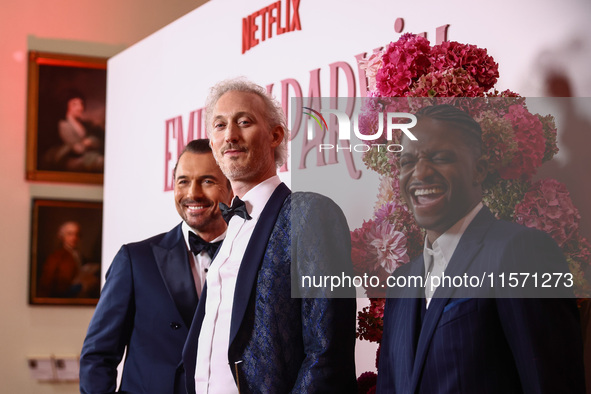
x=242, y=142
x=199, y=186
x=440, y=176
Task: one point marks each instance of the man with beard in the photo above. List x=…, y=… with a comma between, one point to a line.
x=489, y=340
x=152, y=287
x=249, y=334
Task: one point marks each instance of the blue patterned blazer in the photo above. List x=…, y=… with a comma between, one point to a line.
x=484, y=345
x=285, y=344
x=146, y=306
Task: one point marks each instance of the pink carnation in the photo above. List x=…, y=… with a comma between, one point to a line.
x=547, y=206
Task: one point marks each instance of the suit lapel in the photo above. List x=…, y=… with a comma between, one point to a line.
x=414, y=303
x=173, y=263
x=464, y=255
x=253, y=256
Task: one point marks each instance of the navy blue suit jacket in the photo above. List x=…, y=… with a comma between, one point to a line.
x=285, y=344
x=484, y=345
x=146, y=306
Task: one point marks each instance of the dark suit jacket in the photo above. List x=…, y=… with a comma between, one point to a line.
x=484, y=345
x=146, y=305
x=288, y=344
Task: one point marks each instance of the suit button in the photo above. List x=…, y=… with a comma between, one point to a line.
x=175, y=325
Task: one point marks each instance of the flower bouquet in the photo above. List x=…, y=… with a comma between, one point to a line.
x=515, y=143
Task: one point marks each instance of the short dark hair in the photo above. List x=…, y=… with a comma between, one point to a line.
x=200, y=146
x=70, y=95
x=195, y=146
x=451, y=114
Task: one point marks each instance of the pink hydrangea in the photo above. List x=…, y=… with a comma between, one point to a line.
x=404, y=61
x=550, y=135
x=547, y=206
x=498, y=144
x=476, y=61
x=455, y=82
x=369, y=119
x=531, y=144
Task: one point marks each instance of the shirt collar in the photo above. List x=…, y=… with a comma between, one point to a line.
x=447, y=242
x=257, y=197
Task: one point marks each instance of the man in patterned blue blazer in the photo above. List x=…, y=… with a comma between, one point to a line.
x=443, y=342
x=250, y=335
x=152, y=287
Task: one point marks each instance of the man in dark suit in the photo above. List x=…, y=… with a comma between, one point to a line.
x=454, y=340
x=249, y=333
x=152, y=287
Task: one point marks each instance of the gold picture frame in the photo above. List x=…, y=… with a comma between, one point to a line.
x=65, y=257
x=66, y=118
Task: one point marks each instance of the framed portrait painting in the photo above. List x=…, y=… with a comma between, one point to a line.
x=65, y=252
x=66, y=118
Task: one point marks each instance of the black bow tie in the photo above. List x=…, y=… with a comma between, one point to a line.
x=198, y=245
x=238, y=208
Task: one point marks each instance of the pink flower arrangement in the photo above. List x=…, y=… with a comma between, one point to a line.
x=547, y=206
x=411, y=67
x=447, y=83
x=366, y=382
x=403, y=62
x=378, y=249
x=410, y=74
x=531, y=144
x=474, y=60
x=371, y=323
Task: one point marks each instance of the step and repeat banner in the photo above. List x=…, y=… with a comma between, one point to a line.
x=156, y=89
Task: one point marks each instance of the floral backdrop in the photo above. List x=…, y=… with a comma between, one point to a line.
x=515, y=143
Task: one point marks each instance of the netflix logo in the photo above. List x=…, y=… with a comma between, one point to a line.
x=274, y=18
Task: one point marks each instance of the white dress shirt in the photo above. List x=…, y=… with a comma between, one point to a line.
x=213, y=374
x=438, y=255
x=200, y=262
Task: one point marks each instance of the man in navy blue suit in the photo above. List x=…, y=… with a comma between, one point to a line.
x=437, y=340
x=152, y=287
x=250, y=334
